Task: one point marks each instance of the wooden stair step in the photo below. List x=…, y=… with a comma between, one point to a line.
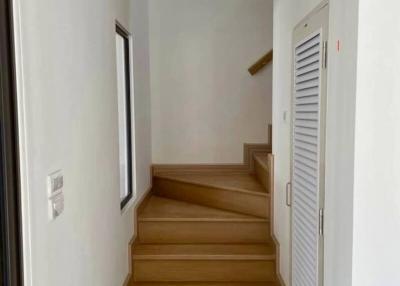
x=169, y=221
x=204, y=252
x=204, y=284
x=204, y=263
x=261, y=169
x=235, y=181
x=234, y=192
x=168, y=209
x=204, y=270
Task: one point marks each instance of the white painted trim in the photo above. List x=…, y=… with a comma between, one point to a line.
x=133, y=117
x=129, y=205
x=23, y=143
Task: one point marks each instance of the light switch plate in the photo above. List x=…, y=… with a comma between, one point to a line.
x=56, y=205
x=55, y=183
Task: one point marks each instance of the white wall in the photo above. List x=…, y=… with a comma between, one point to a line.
x=342, y=71
x=205, y=104
x=68, y=118
x=376, y=248
x=342, y=68
x=141, y=58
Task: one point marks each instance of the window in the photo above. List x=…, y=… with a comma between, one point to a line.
x=125, y=108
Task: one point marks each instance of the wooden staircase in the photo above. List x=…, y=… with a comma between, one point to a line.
x=206, y=228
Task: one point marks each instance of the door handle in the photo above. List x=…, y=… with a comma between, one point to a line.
x=289, y=194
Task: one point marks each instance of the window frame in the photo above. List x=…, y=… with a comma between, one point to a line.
x=121, y=31
x=10, y=200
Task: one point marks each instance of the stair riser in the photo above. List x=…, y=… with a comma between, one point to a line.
x=187, y=270
x=203, y=232
x=213, y=197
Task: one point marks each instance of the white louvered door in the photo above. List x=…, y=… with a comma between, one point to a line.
x=308, y=143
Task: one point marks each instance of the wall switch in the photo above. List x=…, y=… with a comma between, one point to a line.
x=55, y=184
x=56, y=206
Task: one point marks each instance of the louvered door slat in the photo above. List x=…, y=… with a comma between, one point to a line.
x=307, y=69
x=305, y=156
x=307, y=85
x=306, y=124
x=309, y=92
x=307, y=62
x=307, y=76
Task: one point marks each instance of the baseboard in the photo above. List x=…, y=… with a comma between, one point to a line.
x=129, y=275
x=127, y=280
x=159, y=169
x=277, y=249
x=271, y=164
x=141, y=203
x=270, y=134
x=280, y=280
x=250, y=150
x=246, y=167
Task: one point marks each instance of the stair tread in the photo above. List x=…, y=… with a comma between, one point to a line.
x=233, y=182
x=204, y=252
x=204, y=284
x=163, y=209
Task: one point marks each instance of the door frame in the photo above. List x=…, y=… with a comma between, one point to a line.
x=304, y=24
x=10, y=206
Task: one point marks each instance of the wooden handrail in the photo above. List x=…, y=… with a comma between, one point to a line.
x=261, y=63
